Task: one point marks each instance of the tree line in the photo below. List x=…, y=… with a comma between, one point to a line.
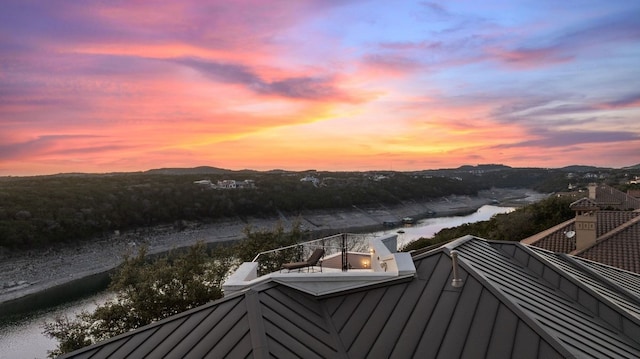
x=41, y=211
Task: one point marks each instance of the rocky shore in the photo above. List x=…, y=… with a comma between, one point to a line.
x=28, y=273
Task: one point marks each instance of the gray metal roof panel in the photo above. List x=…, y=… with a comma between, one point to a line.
x=607, y=289
x=513, y=304
x=556, y=311
x=628, y=280
x=298, y=320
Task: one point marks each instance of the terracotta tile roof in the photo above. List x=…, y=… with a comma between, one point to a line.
x=617, y=231
x=617, y=240
x=607, y=196
x=584, y=204
x=620, y=249
x=610, y=220
x=634, y=193
x=557, y=241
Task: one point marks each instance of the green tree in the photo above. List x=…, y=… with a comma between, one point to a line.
x=147, y=291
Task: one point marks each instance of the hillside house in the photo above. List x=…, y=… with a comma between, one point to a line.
x=233, y=184
x=606, y=229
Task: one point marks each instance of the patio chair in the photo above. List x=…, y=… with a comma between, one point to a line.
x=311, y=262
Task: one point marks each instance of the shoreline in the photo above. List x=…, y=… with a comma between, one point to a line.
x=35, y=273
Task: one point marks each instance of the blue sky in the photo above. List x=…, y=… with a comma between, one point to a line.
x=349, y=85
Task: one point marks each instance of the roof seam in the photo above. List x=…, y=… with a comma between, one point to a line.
x=333, y=331
x=440, y=294
x=605, y=282
x=554, y=342
x=404, y=291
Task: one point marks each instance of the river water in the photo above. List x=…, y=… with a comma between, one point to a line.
x=23, y=338
x=428, y=227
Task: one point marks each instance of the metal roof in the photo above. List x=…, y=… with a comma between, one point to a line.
x=516, y=301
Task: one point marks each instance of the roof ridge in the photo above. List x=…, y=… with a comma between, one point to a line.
x=257, y=329
x=608, y=235
x=576, y=261
x=486, y=283
x=583, y=199
x=621, y=197
x=571, y=278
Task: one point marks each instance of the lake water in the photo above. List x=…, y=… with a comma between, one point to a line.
x=428, y=227
x=24, y=338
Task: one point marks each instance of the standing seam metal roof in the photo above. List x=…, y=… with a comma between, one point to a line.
x=515, y=302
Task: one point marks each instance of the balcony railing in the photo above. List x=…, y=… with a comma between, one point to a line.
x=343, y=243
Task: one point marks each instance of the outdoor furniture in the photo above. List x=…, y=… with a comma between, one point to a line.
x=311, y=262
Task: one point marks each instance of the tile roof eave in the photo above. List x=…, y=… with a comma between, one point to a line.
x=539, y=236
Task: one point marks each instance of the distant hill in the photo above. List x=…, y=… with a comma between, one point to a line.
x=581, y=168
x=636, y=167
x=483, y=167
x=189, y=171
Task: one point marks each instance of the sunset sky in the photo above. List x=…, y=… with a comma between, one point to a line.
x=104, y=86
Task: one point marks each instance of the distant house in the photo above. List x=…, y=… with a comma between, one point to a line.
x=204, y=183
x=606, y=229
x=246, y=184
x=226, y=184
x=314, y=180
x=233, y=184
x=470, y=298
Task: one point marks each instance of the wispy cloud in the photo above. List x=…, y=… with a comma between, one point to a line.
x=304, y=87
x=553, y=138
x=38, y=146
x=565, y=44
x=349, y=84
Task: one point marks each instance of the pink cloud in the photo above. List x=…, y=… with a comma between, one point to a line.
x=523, y=59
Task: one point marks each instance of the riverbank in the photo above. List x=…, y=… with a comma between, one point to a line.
x=29, y=274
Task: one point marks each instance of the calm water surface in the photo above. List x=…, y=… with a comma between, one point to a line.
x=430, y=226
x=24, y=338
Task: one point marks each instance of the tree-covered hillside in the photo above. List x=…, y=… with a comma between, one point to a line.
x=36, y=212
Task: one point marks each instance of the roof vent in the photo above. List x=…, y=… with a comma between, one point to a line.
x=456, y=282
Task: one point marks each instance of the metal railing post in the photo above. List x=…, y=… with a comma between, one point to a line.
x=345, y=262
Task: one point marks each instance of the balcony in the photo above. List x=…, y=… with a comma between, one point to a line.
x=349, y=261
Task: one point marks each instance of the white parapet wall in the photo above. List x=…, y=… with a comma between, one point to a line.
x=247, y=272
x=384, y=257
x=385, y=264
